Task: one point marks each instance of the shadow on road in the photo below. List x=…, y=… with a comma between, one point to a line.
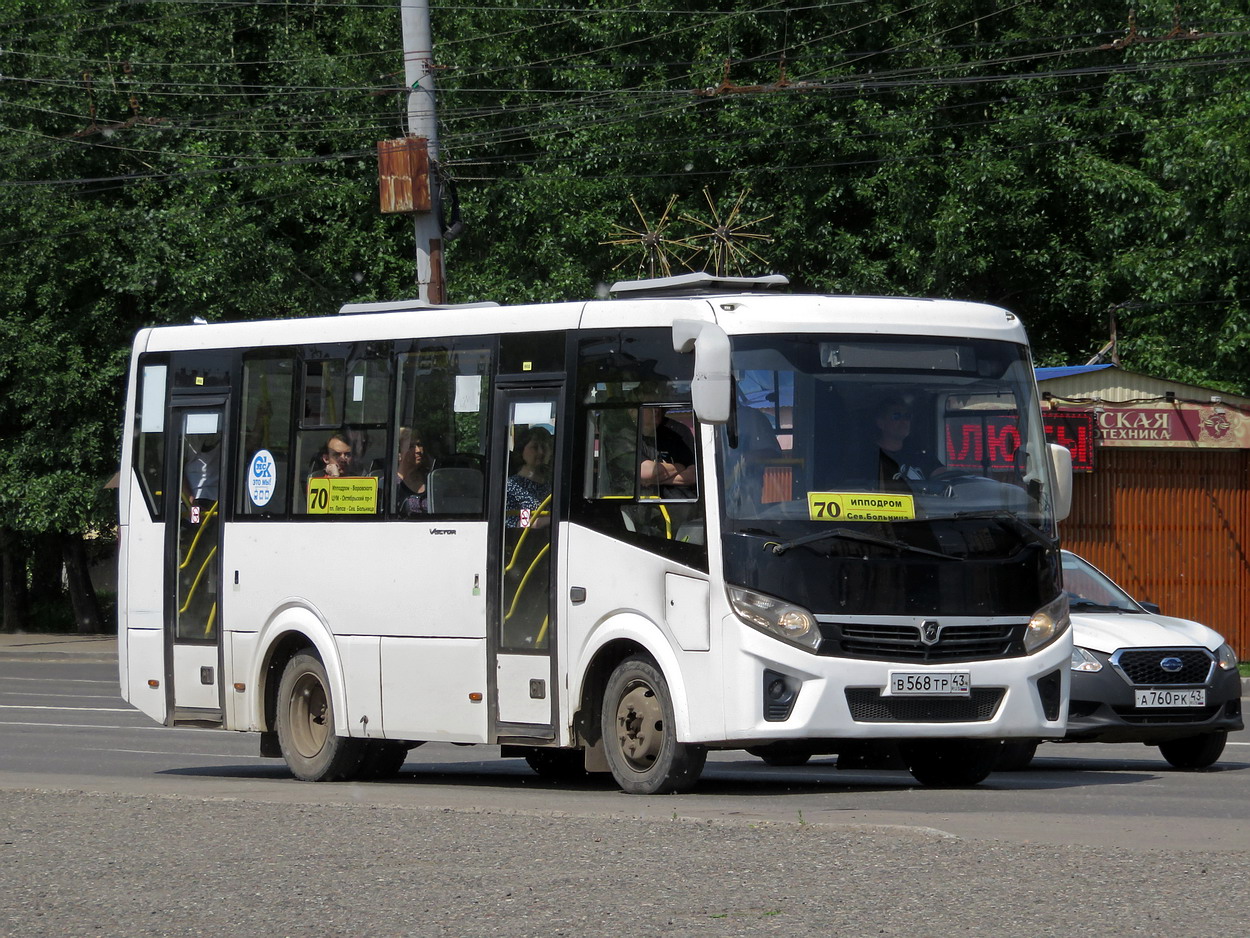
x=747, y=778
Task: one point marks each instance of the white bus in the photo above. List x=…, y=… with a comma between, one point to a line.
x=605, y=535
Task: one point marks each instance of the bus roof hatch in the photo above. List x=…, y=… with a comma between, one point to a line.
x=700, y=283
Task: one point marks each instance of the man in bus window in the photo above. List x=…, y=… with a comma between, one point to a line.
x=337, y=458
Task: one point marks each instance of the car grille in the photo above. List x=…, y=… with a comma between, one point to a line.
x=1142, y=665
x=869, y=706
x=890, y=642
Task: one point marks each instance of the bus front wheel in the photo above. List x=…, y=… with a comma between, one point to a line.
x=640, y=733
x=305, y=725
x=951, y=763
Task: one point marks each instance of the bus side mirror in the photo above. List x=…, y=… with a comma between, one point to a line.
x=1061, y=464
x=712, y=388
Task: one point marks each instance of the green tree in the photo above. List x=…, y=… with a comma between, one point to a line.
x=180, y=159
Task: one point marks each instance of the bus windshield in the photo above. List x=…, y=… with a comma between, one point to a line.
x=921, y=452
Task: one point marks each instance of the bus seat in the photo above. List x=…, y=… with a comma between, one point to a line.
x=455, y=490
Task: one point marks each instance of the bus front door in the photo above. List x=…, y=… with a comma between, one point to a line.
x=193, y=561
x=525, y=626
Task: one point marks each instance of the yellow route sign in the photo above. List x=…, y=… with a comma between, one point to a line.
x=860, y=506
x=351, y=495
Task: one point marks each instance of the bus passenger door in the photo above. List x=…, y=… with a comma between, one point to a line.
x=525, y=519
x=194, y=505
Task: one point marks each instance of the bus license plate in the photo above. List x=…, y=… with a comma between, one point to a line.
x=929, y=684
x=1158, y=697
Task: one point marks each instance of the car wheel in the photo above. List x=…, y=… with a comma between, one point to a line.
x=1195, y=752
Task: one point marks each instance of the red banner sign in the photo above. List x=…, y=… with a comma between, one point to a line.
x=990, y=442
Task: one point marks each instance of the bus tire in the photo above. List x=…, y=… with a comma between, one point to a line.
x=640, y=733
x=1016, y=755
x=382, y=759
x=1195, y=752
x=305, y=724
x=558, y=765
x=951, y=763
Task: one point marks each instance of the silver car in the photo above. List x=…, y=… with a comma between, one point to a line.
x=1142, y=677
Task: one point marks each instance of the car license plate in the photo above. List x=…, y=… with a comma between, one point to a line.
x=929, y=684
x=1153, y=697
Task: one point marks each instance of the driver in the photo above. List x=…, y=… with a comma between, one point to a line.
x=898, y=460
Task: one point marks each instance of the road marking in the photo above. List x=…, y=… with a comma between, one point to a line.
x=166, y=752
x=105, y=726
x=86, y=709
x=13, y=693
x=58, y=680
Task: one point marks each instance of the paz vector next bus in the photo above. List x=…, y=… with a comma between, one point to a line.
x=607, y=536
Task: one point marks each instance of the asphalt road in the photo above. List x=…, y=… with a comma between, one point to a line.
x=115, y=826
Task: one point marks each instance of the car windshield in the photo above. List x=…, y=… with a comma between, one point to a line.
x=1091, y=590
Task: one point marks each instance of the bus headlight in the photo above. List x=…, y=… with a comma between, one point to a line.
x=1226, y=657
x=775, y=616
x=1047, y=624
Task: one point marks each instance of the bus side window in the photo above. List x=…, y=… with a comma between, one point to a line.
x=340, y=455
x=444, y=389
x=149, y=437
x=265, y=432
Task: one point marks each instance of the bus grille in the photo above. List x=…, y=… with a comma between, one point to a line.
x=869, y=706
x=1142, y=665
x=887, y=642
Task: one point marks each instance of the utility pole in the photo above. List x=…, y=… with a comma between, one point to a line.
x=423, y=125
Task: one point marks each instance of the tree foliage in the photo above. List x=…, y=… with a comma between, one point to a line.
x=170, y=159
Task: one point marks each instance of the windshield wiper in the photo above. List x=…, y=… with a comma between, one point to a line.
x=845, y=534
x=1013, y=520
x=1090, y=604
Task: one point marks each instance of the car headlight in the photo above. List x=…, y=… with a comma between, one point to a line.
x=1047, y=624
x=1082, y=660
x=1226, y=657
x=775, y=616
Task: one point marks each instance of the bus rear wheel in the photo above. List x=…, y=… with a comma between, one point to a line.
x=951, y=763
x=305, y=725
x=640, y=733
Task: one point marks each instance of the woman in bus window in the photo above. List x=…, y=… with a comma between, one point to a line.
x=530, y=486
x=415, y=459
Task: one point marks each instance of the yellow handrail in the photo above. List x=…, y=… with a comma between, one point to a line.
x=539, y=512
x=516, y=596
x=196, y=540
x=196, y=582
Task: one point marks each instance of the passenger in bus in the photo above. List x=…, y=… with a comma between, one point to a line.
x=337, y=458
x=667, y=456
x=412, y=470
x=530, y=486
